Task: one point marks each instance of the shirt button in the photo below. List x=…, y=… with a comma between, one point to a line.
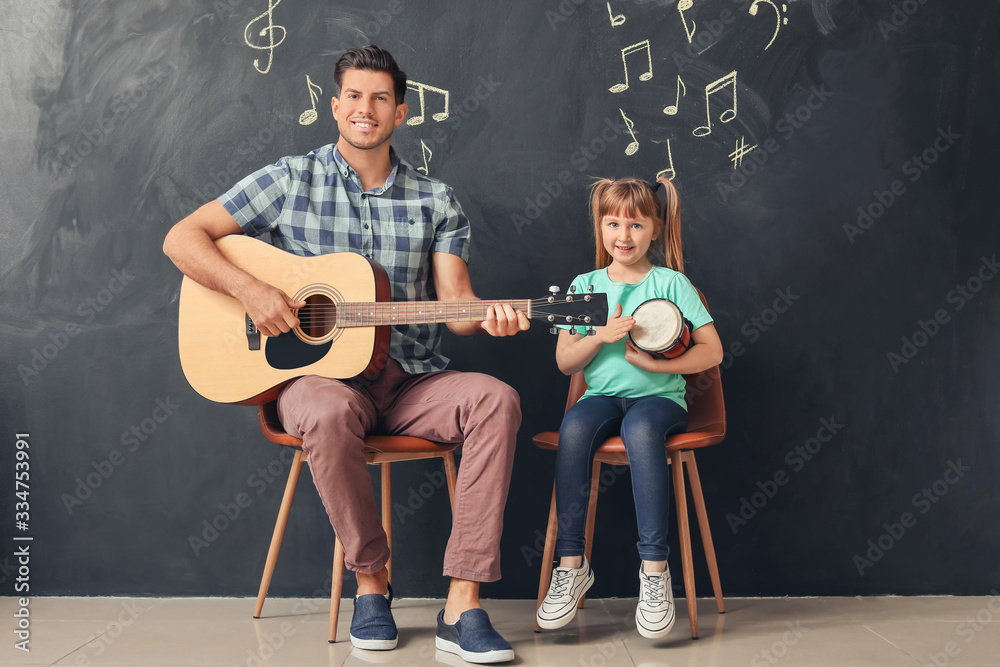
x=366, y=225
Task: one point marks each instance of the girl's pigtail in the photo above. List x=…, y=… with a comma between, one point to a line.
x=671, y=214
x=597, y=191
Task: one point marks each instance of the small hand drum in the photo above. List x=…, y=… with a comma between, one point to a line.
x=661, y=329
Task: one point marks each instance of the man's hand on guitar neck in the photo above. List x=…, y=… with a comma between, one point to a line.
x=269, y=307
x=502, y=320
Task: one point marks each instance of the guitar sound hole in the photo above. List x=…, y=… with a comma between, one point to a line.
x=318, y=317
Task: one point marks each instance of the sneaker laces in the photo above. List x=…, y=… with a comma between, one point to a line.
x=561, y=577
x=652, y=588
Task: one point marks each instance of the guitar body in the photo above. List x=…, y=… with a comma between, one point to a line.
x=217, y=354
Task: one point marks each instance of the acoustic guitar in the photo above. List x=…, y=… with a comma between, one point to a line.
x=344, y=326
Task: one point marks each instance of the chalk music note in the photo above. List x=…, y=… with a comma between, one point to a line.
x=615, y=20
x=634, y=146
x=267, y=31
x=728, y=114
x=682, y=7
x=645, y=76
x=419, y=89
x=669, y=170
x=428, y=154
x=780, y=18
x=309, y=116
x=672, y=109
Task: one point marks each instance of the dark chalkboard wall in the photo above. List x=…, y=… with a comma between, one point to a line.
x=849, y=260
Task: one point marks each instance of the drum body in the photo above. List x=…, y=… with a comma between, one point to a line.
x=660, y=329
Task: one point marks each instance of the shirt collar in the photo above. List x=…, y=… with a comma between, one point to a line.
x=347, y=172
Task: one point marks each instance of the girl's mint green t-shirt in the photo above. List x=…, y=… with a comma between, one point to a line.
x=608, y=373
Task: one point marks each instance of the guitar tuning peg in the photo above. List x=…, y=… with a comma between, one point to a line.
x=553, y=330
x=552, y=296
x=554, y=289
x=590, y=288
x=572, y=289
x=591, y=331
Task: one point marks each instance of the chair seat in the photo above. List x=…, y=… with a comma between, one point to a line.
x=550, y=440
x=404, y=444
x=271, y=426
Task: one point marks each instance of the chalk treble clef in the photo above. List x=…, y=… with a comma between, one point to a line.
x=269, y=32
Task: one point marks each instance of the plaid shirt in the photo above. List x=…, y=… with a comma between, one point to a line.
x=314, y=204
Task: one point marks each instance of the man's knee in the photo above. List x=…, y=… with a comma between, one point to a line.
x=503, y=400
x=321, y=407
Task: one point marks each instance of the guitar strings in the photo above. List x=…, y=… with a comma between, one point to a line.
x=385, y=304
x=323, y=313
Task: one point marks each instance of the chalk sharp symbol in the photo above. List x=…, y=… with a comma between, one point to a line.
x=741, y=150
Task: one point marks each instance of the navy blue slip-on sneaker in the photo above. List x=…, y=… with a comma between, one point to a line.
x=473, y=638
x=372, y=627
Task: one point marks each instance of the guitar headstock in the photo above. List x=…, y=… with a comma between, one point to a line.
x=587, y=310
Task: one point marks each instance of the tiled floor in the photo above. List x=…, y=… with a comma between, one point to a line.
x=151, y=632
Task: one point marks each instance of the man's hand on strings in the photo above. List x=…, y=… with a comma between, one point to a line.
x=502, y=320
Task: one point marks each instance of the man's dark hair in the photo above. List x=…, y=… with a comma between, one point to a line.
x=374, y=59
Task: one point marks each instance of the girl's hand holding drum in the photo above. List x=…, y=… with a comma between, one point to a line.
x=639, y=359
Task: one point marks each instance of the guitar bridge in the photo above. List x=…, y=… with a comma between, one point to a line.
x=253, y=335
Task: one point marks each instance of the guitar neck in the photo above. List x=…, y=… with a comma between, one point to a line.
x=378, y=313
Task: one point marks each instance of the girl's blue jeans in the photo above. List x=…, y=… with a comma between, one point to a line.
x=644, y=424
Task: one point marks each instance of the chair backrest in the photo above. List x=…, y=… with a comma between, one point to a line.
x=706, y=407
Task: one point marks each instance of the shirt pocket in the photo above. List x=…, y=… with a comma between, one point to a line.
x=406, y=245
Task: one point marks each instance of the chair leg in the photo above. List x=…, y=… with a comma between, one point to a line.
x=451, y=473
x=591, y=520
x=279, y=529
x=680, y=496
x=548, y=553
x=336, y=587
x=706, y=532
x=387, y=511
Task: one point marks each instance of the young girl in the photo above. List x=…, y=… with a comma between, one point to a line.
x=628, y=392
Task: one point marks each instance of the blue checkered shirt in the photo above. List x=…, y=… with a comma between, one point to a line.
x=314, y=204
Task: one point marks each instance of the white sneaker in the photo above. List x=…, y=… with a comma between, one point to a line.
x=655, y=613
x=565, y=590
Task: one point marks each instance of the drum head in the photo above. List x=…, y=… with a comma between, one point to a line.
x=658, y=324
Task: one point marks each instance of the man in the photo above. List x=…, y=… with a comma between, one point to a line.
x=358, y=196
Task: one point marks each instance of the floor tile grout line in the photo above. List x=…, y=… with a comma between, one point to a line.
x=893, y=644
x=107, y=628
x=85, y=642
x=627, y=651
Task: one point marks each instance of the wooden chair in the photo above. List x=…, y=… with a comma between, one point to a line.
x=706, y=426
x=380, y=450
